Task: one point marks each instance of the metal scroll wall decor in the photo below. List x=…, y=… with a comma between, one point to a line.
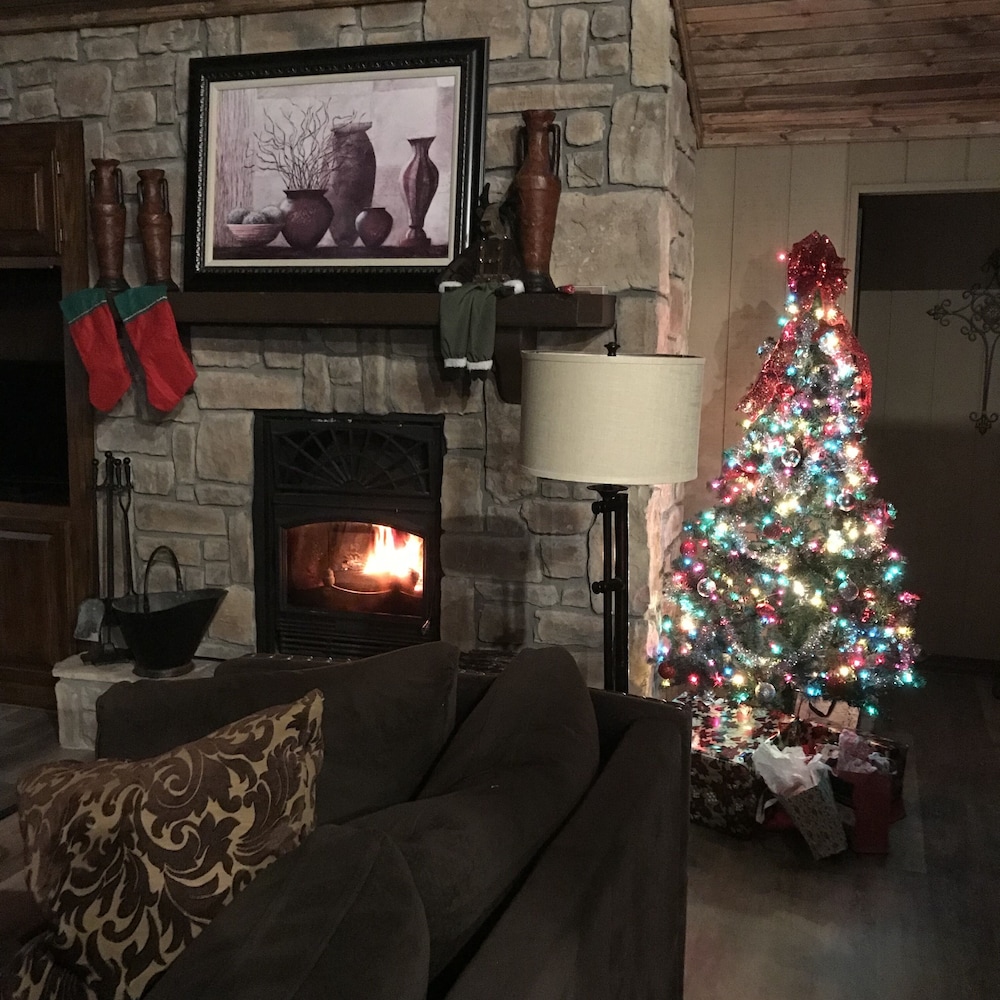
x=980, y=317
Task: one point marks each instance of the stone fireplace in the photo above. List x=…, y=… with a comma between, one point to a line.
x=517, y=555
x=513, y=552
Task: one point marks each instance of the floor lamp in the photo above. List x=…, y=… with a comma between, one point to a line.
x=611, y=421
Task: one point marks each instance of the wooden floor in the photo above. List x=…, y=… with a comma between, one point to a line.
x=28, y=736
x=766, y=922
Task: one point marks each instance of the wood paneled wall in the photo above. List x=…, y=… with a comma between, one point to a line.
x=752, y=202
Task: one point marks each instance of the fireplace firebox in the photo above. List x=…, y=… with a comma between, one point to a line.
x=347, y=528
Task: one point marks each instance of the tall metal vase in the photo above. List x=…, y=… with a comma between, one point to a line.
x=420, y=183
x=155, y=226
x=107, y=223
x=538, y=188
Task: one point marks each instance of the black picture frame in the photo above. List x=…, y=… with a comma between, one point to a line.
x=350, y=123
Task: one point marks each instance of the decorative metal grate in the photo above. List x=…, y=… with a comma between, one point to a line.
x=980, y=318
x=350, y=455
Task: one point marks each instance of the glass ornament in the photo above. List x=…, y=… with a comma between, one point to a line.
x=706, y=587
x=766, y=613
x=848, y=590
x=847, y=501
x=791, y=457
x=766, y=692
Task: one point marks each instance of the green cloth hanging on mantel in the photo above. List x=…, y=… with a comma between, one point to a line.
x=469, y=325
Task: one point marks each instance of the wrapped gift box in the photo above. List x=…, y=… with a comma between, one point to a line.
x=725, y=791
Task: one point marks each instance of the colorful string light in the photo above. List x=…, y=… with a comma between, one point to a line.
x=787, y=580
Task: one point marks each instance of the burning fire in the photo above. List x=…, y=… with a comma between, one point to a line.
x=397, y=554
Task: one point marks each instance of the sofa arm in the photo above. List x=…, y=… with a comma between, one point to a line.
x=20, y=917
x=602, y=914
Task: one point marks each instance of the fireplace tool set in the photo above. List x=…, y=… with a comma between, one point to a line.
x=160, y=632
x=96, y=617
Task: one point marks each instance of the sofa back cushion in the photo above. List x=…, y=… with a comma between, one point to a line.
x=131, y=860
x=385, y=718
x=513, y=772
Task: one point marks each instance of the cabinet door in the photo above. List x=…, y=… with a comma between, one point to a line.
x=29, y=223
x=34, y=612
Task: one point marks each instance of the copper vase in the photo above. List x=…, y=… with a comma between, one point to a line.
x=538, y=189
x=107, y=223
x=155, y=226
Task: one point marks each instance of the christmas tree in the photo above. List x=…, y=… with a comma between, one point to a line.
x=787, y=584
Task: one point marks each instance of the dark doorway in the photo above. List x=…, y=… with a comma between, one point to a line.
x=940, y=473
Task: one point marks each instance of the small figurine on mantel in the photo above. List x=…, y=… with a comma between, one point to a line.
x=490, y=267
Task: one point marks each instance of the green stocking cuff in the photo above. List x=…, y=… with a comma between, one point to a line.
x=134, y=301
x=78, y=304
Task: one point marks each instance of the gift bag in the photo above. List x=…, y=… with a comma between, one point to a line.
x=869, y=800
x=817, y=818
x=802, y=784
x=835, y=714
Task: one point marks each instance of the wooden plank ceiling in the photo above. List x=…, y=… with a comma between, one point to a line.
x=774, y=71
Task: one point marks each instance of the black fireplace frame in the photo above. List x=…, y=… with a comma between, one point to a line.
x=384, y=469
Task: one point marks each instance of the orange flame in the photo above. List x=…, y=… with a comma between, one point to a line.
x=397, y=554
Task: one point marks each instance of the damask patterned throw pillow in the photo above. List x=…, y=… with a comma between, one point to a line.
x=131, y=860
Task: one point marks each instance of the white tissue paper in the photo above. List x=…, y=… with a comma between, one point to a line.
x=787, y=772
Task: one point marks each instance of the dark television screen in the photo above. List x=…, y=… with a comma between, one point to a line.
x=33, y=443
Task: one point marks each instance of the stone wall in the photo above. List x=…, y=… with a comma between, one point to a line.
x=515, y=549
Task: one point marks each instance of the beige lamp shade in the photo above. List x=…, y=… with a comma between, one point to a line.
x=623, y=420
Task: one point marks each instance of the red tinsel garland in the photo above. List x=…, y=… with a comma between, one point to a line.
x=814, y=268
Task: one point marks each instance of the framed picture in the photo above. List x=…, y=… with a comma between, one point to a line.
x=349, y=169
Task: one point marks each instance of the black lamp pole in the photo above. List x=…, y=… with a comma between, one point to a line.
x=613, y=505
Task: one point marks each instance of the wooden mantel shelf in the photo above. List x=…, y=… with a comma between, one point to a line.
x=555, y=311
x=519, y=317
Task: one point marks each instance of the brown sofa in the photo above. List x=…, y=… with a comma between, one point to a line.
x=480, y=835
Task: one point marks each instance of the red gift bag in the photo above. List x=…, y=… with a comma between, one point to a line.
x=871, y=802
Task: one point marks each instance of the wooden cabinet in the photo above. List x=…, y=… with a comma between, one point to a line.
x=29, y=179
x=46, y=426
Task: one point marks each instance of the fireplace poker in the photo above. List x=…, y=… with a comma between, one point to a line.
x=123, y=487
x=109, y=534
x=90, y=614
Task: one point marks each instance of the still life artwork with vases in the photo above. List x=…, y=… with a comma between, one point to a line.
x=304, y=174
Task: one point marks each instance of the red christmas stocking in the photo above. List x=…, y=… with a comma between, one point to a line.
x=93, y=330
x=149, y=323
